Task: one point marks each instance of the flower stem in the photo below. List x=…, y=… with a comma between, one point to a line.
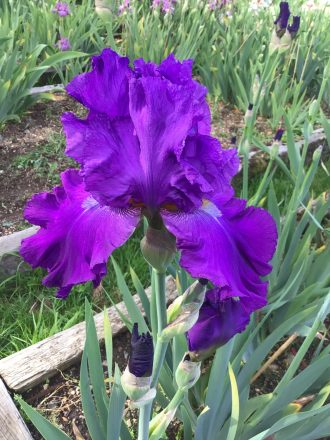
x=160, y=350
x=160, y=300
x=143, y=430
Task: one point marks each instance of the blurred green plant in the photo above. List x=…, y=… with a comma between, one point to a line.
x=19, y=72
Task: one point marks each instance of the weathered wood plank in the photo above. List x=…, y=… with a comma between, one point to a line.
x=12, y=242
x=12, y=426
x=47, y=89
x=30, y=366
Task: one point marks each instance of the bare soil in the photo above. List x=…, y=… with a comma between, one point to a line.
x=18, y=140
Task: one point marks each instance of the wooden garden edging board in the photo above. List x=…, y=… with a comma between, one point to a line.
x=30, y=366
x=12, y=426
x=11, y=243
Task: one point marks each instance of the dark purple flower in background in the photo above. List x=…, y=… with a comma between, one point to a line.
x=294, y=27
x=220, y=318
x=283, y=18
x=145, y=148
x=63, y=44
x=142, y=353
x=278, y=135
x=233, y=140
x=62, y=9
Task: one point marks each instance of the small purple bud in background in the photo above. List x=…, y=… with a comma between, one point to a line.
x=283, y=18
x=62, y=9
x=63, y=44
x=294, y=27
x=233, y=140
x=250, y=107
x=279, y=134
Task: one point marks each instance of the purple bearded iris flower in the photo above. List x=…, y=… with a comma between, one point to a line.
x=220, y=318
x=62, y=9
x=142, y=353
x=145, y=149
x=63, y=44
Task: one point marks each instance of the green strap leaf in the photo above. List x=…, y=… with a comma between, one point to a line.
x=234, y=405
x=290, y=420
x=108, y=343
x=116, y=408
x=141, y=292
x=133, y=310
x=95, y=368
x=44, y=426
x=88, y=405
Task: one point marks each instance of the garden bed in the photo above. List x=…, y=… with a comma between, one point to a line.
x=59, y=398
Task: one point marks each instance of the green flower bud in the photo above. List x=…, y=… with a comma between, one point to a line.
x=280, y=43
x=313, y=109
x=194, y=293
x=187, y=373
x=317, y=153
x=158, y=248
x=175, y=308
x=136, y=388
x=187, y=318
x=248, y=114
x=145, y=399
x=183, y=313
x=158, y=424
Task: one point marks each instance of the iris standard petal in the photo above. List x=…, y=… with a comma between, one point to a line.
x=105, y=88
x=230, y=248
x=180, y=72
x=219, y=320
x=151, y=157
x=77, y=235
x=162, y=116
